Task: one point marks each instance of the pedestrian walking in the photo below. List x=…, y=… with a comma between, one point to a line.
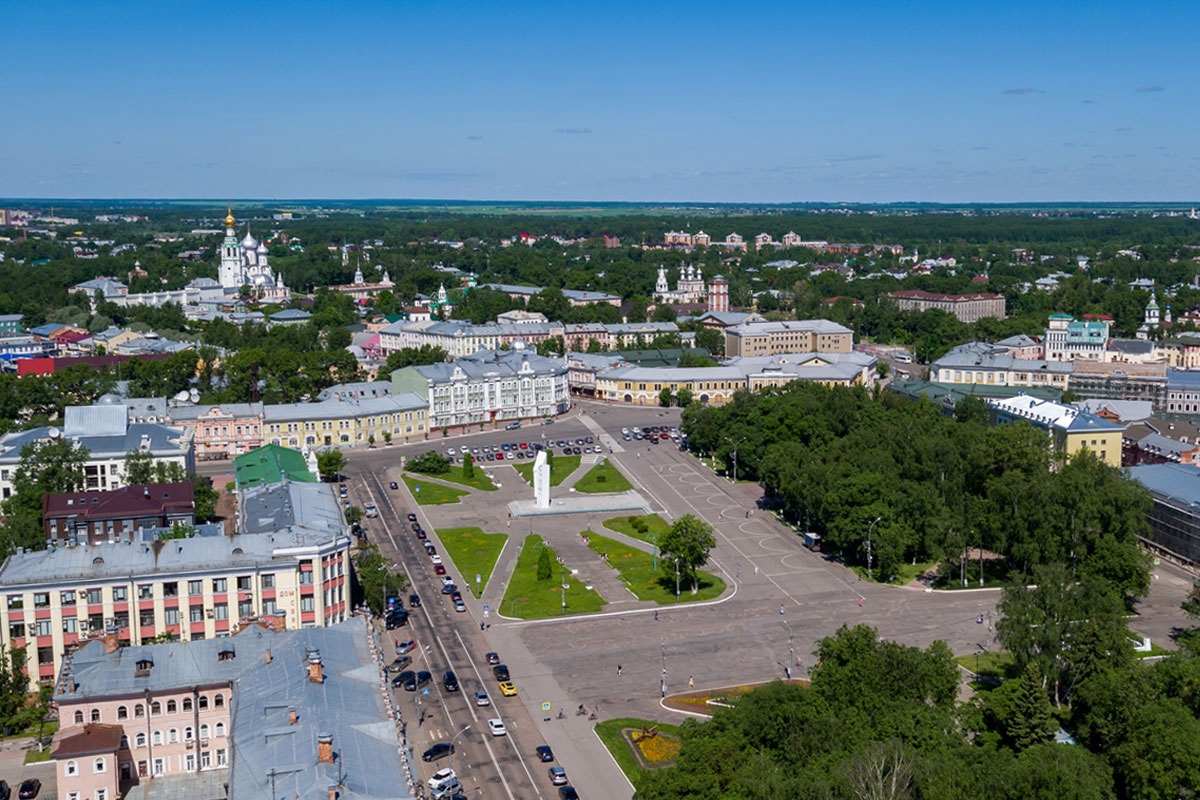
x=618, y=670
x=656, y=616
x=781, y=609
x=481, y=626
x=860, y=601
x=691, y=682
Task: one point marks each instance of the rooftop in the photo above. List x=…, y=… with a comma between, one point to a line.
x=271, y=464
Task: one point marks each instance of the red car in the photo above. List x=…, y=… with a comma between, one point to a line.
x=439, y=569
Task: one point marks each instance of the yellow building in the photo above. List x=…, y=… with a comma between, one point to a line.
x=1071, y=429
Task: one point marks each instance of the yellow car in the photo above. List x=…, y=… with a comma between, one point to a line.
x=507, y=689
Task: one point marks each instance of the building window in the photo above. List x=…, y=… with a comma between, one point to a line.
x=122, y=712
x=158, y=766
x=245, y=609
x=220, y=585
x=205, y=759
x=146, y=618
x=101, y=794
x=189, y=762
x=139, y=740
x=173, y=736
x=67, y=598
x=204, y=729
x=156, y=738
x=171, y=616
x=244, y=583
x=221, y=610
x=70, y=625
x=187, y=704
x=195, y=588
x=268, y=581
x=95, y=715
x=222, y=759
x=145, y=591
x=188, y=734
x=218, y=701
x=171, y=706
x=196, y=613
x=171, y=589
x=99, y=766
x=79, y=717
x=120, y=594
x=95, y=596
x=202, y=705
x=16, y=630
x=219, y=729
x=307, y=604
x=139, y=711
x=72, y=769
x=41, y=599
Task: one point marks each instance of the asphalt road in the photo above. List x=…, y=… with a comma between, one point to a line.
x=782, y=600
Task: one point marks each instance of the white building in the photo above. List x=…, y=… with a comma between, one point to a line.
x=108, y=436
x=244, y=263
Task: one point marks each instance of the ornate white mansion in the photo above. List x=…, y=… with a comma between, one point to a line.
x=245, y=264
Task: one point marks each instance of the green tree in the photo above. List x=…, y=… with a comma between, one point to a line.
x=330, y=464
x=1031, y=719
x=429, y=463
x=14, y=687
x=545, y=566
x=139, y=467
x=354, y=514
x=468, y=466
x=684, y=398
x=690, y=540
x=49, y=466
x=711, y=340
x=413, y=357
x=665, y=396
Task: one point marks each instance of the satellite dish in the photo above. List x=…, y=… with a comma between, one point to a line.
x=55, y=433
x=194, y=395
x=182, y=397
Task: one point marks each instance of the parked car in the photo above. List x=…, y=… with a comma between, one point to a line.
x=29, y=788
x=371, y=510
x=441, y=778
x=558, y=776
x=422, y=678
x=545, y=754
x=567, y=793
x=459, y=606
x=439, y=569
x=400, y=664
x=439, y=750
x=492, y=658
x=403, y=678
x=512, y=426
x=501, y=672
x=393, y=486
x=412, y=517
x=448, y=588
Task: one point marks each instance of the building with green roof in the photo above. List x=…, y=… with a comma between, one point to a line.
x=271, y=464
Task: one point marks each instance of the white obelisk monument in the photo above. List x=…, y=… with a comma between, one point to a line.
x=541, y=480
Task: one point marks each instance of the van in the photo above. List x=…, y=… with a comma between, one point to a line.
x=904, y=358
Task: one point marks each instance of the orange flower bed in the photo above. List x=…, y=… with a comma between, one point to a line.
x=657, y=749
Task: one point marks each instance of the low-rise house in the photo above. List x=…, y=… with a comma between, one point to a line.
x=117, y=515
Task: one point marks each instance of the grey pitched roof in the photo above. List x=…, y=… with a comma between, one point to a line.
x=269, y=754
x=1177, y=482
x=340, y=409
x=493, y=362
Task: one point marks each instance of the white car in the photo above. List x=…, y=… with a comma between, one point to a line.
x=436, y=558
x=442, y=777
x=496, y=726
x=447, y=580
x=450, y=451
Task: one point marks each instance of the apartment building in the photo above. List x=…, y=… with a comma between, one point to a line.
x=1070, y=429
x=488, y=386
x=265, y=713
x=1069, y=339
x=983, y=363
x=967, y=307
x=288, y=566
x=352, y=422
x=777, y=338
x=717, y=385
x=108, y=436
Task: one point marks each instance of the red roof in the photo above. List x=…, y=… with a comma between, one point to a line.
x=148, y=500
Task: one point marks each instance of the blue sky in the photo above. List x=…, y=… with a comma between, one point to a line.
x=757, y=101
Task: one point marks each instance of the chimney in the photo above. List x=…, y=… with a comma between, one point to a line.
x=325, y=748
x=111, y=645
x=291, y=716
x=71, y=685
x=315, y=672
x=268, y=655
x=333, y=792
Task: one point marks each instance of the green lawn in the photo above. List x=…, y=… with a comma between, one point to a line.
x=609, y=732
x=637, y=570
x=998, y=665
x=455, y=475
x=603, y=478
x=655, y=526
x=560, y=468
x=528, y=598
x=473, y=553
x=432, y=494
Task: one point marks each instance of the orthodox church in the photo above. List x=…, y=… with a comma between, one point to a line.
x=689, y=288
x=244, y=263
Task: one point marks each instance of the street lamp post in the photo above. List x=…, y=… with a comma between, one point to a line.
x=869, y=530
x=676, y=579
x=735, y=449
x=564, y=590
x=450, y=757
